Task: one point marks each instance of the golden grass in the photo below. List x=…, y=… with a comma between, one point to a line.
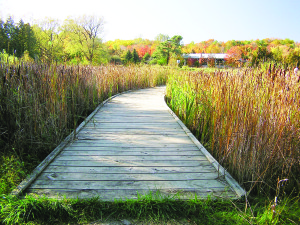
x=41, y=104
x=248, y=118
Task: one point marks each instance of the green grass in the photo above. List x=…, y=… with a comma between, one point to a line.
x=149, y=209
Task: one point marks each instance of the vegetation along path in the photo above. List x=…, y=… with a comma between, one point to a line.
x=133, y=143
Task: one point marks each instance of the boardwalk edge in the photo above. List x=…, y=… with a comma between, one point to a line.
x=230, y=180
x=39, y=169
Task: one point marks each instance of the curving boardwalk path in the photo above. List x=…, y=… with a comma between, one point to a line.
x=132, y=144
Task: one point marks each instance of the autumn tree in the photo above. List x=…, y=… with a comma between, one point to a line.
x=261, y=54
x=233, y=55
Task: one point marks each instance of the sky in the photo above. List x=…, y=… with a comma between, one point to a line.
x=194, y=20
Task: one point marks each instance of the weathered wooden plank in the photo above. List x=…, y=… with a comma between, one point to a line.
x=132, y=144
x=157, y=154
x=120, y=132
x=147, y=135
x=139, y=139
x=130, y=169
x=129, y=139
x=122, y=163
x=132, y=112
x=121, y=119
x=125, y=184
x=129, y=149
x=130, y=158
x=127, y=177
x=133, y=108
x=129, y=114
x=126, y=125
x=133, y=131
x=132, y=120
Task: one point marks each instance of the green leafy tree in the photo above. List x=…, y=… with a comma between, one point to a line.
x=82, y=38
x=115, y=59
x=146, y=57
x=49, y=42
x=167, y=49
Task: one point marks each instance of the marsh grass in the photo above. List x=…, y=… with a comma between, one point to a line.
x=41, y=104
x=248, y=119
x=152, y=208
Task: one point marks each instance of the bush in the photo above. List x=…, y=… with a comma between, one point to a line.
x=115, y=59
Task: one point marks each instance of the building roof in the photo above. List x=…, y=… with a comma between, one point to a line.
x=205, y=55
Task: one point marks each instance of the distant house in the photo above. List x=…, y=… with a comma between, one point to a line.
x=218, y=57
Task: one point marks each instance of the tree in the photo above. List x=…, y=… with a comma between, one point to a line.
x=162, y=37
x=128, y=57
x=261, y=54
x=83, y=34
x=234, y=54
x=135, y=56
x=3, y=37
x=10, y=33
x=146, y=57
x=49, y=42
x=166, y=49
x=25, y=40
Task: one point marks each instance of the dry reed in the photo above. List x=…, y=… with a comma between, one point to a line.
x=248, y=118
x=41, y=104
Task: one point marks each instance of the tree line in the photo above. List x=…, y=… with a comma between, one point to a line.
x=78, y=41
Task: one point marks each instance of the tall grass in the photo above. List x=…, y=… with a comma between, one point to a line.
x=249, y=119
x=41, y=104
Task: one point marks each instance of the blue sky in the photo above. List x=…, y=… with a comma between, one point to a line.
x=194, y=20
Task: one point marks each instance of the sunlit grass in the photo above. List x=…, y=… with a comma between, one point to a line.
x=42, y=104
x=152, y=208
x=248, y=118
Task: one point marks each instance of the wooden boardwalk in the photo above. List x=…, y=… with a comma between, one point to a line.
x=132, y=144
